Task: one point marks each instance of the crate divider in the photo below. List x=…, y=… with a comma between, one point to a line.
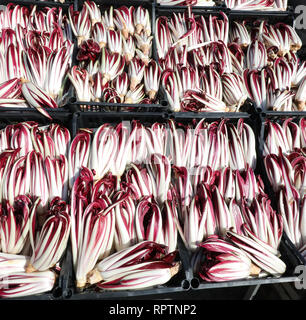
x=66, y=275
x=89, y=106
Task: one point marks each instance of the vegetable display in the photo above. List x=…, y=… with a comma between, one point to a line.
x=35, y=55
x=130, y=198
x=115, y=59
x=211, y=65
x=34, y=213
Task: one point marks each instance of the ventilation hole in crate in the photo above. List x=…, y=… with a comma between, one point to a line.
x=164, y=103
x=185, y=284
x=72, y=100
x=195, y=283
x=67, y=294
x=57, y=292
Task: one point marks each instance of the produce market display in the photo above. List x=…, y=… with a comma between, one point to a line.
x=150, y=147
x=211, y=65
x=114, y=57
x=285, y=161
x=36, y=53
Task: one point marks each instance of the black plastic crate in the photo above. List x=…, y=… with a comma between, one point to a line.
x=31, y=112
x=181, y=281
x=68, y=290
x=289, y=253
x=64, y=118
x=283, y=114
x=86, y=106
x=14, y=115
x=123, y=109
x=249, y=16
x=167, y=11
x=295, y=116
x=271, y=17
